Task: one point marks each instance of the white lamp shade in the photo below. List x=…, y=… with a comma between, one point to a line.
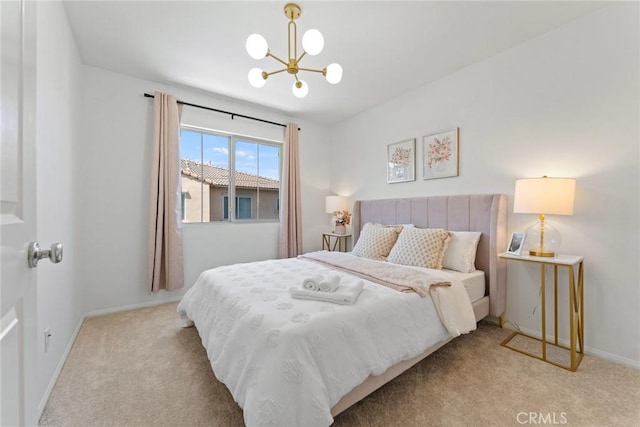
x=544, y=196
x=301, y=91
x=257, y=46
x=255, y=77
x=312, y=41
x=334, y=73
x=336, y=203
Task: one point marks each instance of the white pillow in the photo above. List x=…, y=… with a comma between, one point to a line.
x=375, y=241
x=420, y=247
x=460, y=254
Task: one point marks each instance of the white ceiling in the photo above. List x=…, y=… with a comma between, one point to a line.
x=385, y=48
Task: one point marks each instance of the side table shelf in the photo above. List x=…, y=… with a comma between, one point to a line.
x=576, y=307
x=335, y=242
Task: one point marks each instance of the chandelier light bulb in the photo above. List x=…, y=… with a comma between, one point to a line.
x=300, y=88
x=312, y=42
x=255, y=77
x=257, y=46
x=334, y=73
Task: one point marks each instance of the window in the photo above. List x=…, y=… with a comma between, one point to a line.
x=217, y=167
x=183, y=205
x=243, y=207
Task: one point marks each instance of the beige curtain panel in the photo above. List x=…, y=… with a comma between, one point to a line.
x=290, y=241
x=166, y=270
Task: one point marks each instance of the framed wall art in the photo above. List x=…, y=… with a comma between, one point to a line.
x=440, y=154
x=401, y=161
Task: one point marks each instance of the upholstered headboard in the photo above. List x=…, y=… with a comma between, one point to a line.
x=486, y=213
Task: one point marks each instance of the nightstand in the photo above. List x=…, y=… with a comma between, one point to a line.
x=335, y=242
x=576, y=307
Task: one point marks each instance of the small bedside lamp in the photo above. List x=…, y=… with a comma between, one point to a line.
x=542, y=196
x=334, y=204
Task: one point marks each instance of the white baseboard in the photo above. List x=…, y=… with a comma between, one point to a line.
x=613, y=358
x=589, y=350
x=67, y=350
x=56, y=373
x=112, y=310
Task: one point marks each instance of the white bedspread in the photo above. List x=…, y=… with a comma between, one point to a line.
x=288, y=361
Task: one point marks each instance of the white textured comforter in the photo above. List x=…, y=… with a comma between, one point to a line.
x=288, y=361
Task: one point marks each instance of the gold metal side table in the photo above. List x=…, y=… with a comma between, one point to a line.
x=335, y=242
x=576, y=307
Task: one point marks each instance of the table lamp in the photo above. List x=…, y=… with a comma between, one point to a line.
x=542, y=196
x=333, y=205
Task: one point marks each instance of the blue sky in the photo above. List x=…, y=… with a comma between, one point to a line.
x=251, y=157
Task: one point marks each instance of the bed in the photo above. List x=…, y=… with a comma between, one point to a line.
x=296, y=362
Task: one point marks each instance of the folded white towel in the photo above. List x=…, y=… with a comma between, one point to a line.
x=330, y=283
x=312, y=283
x=346, y=293
x=321, y=283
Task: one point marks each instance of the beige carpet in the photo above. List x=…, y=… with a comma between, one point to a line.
x=140, y=368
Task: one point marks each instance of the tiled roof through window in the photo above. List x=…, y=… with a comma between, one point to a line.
x=217, y=176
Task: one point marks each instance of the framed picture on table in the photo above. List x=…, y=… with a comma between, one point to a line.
x=516, y=243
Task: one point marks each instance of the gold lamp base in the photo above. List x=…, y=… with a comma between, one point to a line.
x=539, y=231
x=542, y=253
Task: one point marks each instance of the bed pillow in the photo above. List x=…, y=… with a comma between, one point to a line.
x=397, y=227
x=375, y=241
x=460, y=254
x=420, y=247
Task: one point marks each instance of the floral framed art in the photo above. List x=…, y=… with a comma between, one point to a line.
x=401, y=161
x=440, y=155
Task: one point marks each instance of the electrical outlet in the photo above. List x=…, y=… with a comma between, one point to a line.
x=47, y=338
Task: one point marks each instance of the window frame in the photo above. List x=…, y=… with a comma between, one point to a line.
x=233, y=138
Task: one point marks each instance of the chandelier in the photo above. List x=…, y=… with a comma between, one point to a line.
x=312, y=44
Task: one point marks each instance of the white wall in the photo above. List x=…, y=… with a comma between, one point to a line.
x=60, y=294
x=563, y=104
x=113, y=159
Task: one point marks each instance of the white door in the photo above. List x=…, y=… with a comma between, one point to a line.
x=18, y=213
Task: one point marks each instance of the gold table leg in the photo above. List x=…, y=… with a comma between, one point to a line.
x=576, y=319
x=544, y=312
x=555, y=303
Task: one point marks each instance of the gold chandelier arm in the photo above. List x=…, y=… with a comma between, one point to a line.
x=301, y=56
x=323, y=71
x=295, y=39
x=273, y=72
x=277, y=59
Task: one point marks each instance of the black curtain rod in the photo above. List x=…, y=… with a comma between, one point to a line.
x=148, y=95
